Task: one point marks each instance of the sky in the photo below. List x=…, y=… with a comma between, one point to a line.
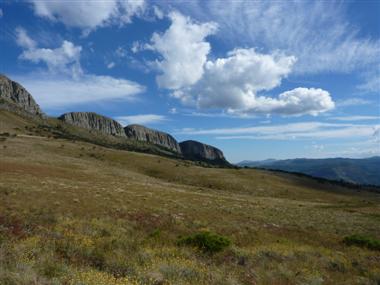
x=257, y=79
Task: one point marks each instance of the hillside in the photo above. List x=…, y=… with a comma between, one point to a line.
x=73, y=212
x=359, y=171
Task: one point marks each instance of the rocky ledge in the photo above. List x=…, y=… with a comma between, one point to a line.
x=199, y=151
x=12, y=92
x=93, y=121
x=142, y=133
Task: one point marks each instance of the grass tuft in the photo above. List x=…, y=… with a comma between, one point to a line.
x=206, y=241
x=362, y=241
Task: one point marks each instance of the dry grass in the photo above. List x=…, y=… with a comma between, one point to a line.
x=75, y=213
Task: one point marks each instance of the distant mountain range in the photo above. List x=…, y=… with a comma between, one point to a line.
x=359, y=171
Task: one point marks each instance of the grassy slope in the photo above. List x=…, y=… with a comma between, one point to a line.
x=74, y=212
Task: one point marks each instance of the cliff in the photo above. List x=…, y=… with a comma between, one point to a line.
x=142, y=133
x=198, y=151
x=93, y=121
x=12, y=92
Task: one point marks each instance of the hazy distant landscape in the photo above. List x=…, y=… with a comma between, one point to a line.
x=122, y=122
x=359, y=171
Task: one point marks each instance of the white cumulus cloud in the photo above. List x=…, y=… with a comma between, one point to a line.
x=233, y=83
x=87, y=14
x=184, y=51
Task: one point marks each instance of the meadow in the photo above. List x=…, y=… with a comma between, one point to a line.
x=72, y=212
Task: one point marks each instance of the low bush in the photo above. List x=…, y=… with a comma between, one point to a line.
x=362, y=241
x=206, y=241
x=155, y=234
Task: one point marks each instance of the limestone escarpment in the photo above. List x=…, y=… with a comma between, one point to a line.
x=12, y=92
x=93, y=121
x=199, y=151
x=145, y=134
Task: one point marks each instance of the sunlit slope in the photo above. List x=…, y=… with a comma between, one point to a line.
x=103, y=214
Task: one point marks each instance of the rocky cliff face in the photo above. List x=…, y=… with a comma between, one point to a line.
x=142, y=133
x=93, y=121
x=198, y=151
x=15, y=98
x=12, y=92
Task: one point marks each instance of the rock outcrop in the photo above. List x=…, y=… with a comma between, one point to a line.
x=93, y=121
x=199, y=151
x=12, y=92
x=145, y=134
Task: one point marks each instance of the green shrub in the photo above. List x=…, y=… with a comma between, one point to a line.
x=362, y=241
x=206, y=241
x=155, y=234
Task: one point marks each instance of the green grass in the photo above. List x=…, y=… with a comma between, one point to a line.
x=72, y=212
x=206, y=241
x=363, y=241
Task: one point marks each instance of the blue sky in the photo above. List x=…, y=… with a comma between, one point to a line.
x=256, y=79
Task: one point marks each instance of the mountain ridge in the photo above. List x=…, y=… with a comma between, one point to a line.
x=16, y=98
x=352, y=170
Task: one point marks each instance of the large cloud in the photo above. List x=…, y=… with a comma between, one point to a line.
x=233, y=83
x=87, y=14
x=184, y=51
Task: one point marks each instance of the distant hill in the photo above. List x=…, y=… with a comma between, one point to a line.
x=359, y=171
